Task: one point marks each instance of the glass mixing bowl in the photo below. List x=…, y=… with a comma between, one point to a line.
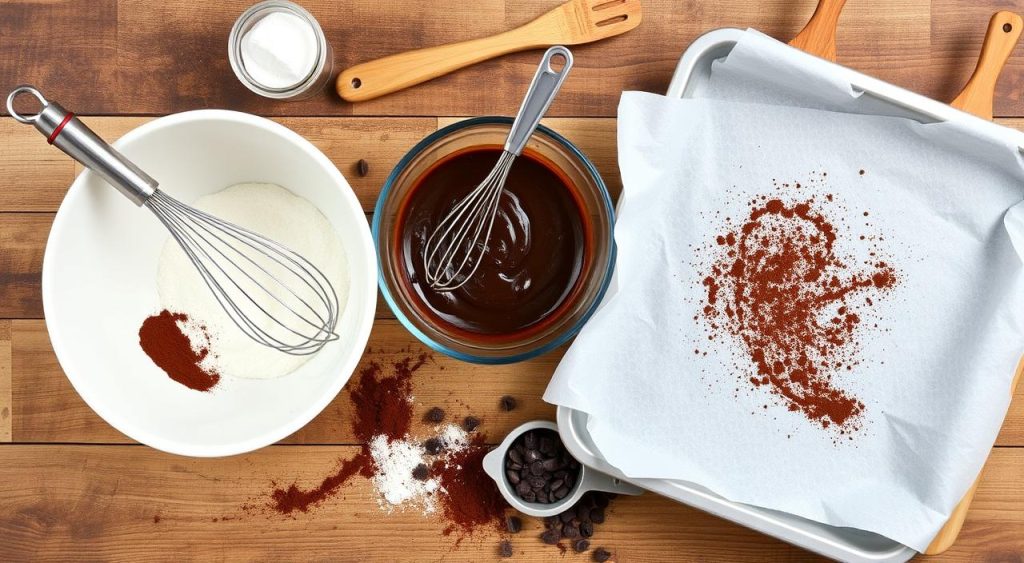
x=596, y=206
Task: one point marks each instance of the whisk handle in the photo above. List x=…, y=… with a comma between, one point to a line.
x=66, y=132
x=543, y=89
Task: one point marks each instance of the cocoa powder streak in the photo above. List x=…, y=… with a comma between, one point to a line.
x=382, y=406
x=777, y=286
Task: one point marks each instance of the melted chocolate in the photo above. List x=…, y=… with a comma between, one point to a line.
x=531, y=270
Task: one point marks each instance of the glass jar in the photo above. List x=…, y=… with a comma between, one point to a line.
x=308, y=86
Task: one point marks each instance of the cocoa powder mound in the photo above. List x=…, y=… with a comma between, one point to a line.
x=777, y=284
x=473, y=500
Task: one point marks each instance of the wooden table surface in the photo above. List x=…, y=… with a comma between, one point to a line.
x=72, y=487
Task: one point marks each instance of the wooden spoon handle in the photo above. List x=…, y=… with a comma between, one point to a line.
x=383, y=76
x=1004, y=30
x=818, y=37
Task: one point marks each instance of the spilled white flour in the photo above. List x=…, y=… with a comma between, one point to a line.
x=275, y=213
x=395, y=461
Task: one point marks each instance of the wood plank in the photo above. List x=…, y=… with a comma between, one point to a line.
x=42, y=174
x=46, y=407
x=122, y=502
x=957, y=31
x=22, y=240
x=171, y=56
x=5, y=381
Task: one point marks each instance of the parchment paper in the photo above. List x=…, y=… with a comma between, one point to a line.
x=936, y=379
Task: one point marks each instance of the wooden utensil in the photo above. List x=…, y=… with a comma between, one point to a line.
x=572, y=23
x=1004, y=30
x=818, y=37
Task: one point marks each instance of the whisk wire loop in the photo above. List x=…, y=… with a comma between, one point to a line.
x=474, y=214
x=215, y=246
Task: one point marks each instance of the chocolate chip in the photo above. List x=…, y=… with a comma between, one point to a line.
x=597, y=516
x=505, y=549
x=513, y=477
x=470, y=423
x=546, y=473
x=508, y=403
x=550, y=537
x=433, y=446
x=513, y=524
x=601, y=555
x=570, y=532
x=586, y=529
x=530, y=441
x=421, y=472
x=581, y=545
x=363, y=167
x=435, y=415
x=523, y=488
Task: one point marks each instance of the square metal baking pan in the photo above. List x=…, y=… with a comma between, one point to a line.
x=848, y=544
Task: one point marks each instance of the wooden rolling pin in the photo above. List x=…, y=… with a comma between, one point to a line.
x=572, y=23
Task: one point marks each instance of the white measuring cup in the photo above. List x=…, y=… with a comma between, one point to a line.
x=589, y=479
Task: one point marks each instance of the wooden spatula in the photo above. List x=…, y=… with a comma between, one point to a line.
x=572, y=23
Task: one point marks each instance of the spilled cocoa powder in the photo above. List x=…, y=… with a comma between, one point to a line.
x=778, y=284
x=472, y=500
x=382, y=405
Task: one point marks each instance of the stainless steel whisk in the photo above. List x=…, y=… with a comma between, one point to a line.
x=465, y=231
x=246, y=272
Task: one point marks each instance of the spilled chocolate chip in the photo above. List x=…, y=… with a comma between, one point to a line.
x=550, y=537
x=601, y=555
x=421, y=472
x=513, y=524
x=470, y=423
x=508, y=403
x=433, y=446
x=363, y=167
x=581, y=545
x=434, y=415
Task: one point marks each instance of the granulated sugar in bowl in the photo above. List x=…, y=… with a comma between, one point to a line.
x=100, y=283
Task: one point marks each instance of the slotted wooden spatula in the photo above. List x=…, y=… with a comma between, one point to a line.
x=572, y=23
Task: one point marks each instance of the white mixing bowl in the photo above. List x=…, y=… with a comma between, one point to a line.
x=99, y=284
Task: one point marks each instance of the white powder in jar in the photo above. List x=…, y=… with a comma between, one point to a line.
x=281, y=216
x=280, y=50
